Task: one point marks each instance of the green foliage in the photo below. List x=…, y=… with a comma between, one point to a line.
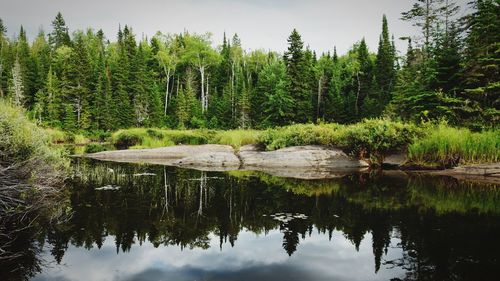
x=373, y=139
x=235, y=138
x=23, y=143
x=151, y=138
x=94, y=147
x=447, y=146
x=126, y=138
x=299, y=134
x=56, y=135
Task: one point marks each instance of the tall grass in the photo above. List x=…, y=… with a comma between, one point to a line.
x=448, y=146
x=235, y=138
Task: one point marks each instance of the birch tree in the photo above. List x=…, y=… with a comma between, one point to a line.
x=167, y=58
x=199, y=53
x=17, y=87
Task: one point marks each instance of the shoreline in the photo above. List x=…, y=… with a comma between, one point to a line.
x=302, y=162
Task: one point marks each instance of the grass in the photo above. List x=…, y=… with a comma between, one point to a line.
x=236, y=138
x=448, y=146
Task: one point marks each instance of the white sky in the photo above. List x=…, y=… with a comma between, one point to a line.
x=262, y=24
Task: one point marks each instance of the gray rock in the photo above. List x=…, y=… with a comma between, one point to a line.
x=163, y=156
x=395, y=160
x=300, y=157
x=210, y=159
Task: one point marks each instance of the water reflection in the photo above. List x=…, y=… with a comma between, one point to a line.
x=154, y=222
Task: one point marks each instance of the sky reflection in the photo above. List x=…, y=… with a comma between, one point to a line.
x=254, y=257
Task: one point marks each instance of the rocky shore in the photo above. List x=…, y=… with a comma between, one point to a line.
x=305, y=162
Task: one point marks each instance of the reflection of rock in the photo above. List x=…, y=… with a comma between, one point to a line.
x=108, y=187
x=144, y=174
x=488, y=173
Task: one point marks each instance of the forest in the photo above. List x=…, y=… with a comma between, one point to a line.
x=84, y=81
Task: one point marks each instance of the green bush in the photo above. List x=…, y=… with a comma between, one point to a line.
x=94, y=147
x=299, y=134
x=124, y=139
x=447, y=146
x=151, y=138
x=373, y=139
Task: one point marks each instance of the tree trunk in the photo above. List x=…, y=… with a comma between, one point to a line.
x=167, y=72
x=356, y=106
x=320, y=83
x=202, y=74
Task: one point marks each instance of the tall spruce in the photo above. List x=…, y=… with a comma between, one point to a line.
x=385, y=73
x=60, y=34
x=298, y=86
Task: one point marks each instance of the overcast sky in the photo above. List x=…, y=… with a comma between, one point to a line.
x=263, y=24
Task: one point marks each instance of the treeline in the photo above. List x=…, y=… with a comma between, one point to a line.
x=86, y=82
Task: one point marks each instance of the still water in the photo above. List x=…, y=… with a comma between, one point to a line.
x=146, y=222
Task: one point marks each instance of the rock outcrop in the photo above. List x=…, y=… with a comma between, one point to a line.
x=317, y=157
x=171, y=155
x=309, y=162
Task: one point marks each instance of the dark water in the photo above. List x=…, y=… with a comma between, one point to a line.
x=163, y=223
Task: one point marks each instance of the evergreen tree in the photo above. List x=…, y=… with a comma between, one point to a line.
x=298, y=85
x=482, y=70
x=385, y=73
x=60, y=34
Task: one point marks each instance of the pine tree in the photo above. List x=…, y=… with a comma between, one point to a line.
x=60, y=35
x=298, y=84
x=277, y=106
x=385, y=73
x=364, y=78
x=482, y=69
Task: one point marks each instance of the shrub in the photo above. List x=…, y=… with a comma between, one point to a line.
x=300, y=134
x=373, y=139
x=94, y=147
x=124, y=139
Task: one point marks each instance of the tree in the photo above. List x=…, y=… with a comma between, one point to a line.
x=167, y=59
x=481, y=80
x=59, y=35
x=424, y=14
x=364, y=77
x=199, y=53
x=385, y=73
x=17, y=87
x=298, y=85
x=277, y=105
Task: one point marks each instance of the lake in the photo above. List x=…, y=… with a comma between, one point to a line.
x=149, y=222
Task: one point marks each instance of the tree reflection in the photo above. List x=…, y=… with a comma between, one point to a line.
x=170, y=206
